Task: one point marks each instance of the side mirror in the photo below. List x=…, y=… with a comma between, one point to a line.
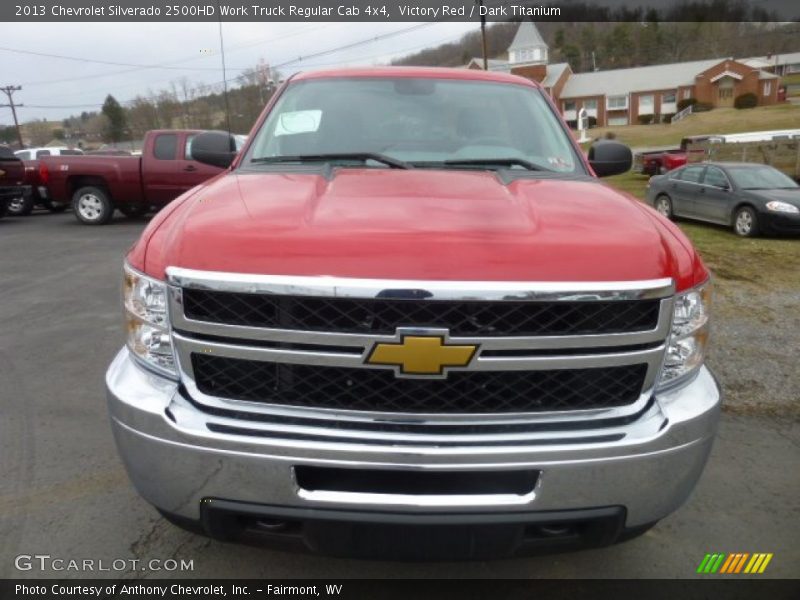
x=608, y=157
x=215, y=148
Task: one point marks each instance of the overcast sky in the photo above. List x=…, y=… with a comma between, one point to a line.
x=54, y=88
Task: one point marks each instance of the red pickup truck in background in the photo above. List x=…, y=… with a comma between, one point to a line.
x=659, y=162
x=97, y=185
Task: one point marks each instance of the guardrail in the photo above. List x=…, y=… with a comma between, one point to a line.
x=784, y=155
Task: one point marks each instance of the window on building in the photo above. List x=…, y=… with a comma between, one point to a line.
x=590, y=104
x=687, y=93
x=165, y=146
x=646, y=102
x=617, y=102
x=537, y=54
x=569, y=105
x=668, y=98
x=767, y=88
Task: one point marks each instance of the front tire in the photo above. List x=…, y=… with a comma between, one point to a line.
x=745, y=222
x=663, y=205
x=21, y=206
x=92, y=206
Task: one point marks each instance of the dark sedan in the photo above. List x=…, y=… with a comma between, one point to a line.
x=748, y=197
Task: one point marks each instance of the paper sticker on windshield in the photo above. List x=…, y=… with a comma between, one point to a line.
x=299, y=121
x=559, y=162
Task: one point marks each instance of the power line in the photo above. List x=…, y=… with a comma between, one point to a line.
x=9, y=92
x=233, y=48
x=103, y=62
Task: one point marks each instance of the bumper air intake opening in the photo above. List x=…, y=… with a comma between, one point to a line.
x=412, y=536
x=416, y=483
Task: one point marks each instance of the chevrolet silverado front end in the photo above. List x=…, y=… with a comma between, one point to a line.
x=393, y=330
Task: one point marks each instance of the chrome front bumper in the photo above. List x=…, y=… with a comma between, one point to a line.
x=175, y=461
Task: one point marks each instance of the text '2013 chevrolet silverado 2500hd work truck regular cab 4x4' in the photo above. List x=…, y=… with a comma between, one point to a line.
x=410, y=321
x=96, y=185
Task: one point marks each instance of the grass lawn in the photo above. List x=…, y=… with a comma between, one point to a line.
x=719, y=120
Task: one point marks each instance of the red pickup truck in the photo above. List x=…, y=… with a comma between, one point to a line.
x=404, y=324
x=96, y=185
x=659, y=162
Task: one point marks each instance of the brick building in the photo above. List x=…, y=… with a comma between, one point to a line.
x=623, y=96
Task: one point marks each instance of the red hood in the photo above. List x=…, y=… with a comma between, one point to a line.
x=416, y=224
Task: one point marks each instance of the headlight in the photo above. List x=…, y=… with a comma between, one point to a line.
x=784, y=207
x=688, y=339
x=147, y=321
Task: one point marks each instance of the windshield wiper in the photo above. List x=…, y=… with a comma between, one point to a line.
x=394, y=163
x=506, y=162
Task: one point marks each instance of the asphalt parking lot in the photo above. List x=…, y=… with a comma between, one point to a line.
x=64, y=492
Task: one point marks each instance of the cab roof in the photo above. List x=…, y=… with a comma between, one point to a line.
x=416, y=72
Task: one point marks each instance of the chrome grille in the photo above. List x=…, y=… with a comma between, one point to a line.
x=467, y=392
x=568, y=357
x=384, y=316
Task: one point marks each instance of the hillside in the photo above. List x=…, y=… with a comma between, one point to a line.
x=719, y=120
x=608, y=45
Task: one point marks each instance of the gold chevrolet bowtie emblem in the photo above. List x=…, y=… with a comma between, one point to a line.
x=421, y=355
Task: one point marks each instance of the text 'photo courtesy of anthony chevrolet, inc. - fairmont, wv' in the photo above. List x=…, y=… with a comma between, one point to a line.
x=413, y=299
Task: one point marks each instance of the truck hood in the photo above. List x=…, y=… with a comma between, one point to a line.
x=417, y=224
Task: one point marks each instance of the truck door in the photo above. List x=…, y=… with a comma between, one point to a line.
x=160, y=168
x=191, y=172
x=714, y=201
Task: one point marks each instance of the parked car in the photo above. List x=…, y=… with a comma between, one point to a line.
x=134, y=185
x=751, y=198
x=12, y=175
x=403, y=324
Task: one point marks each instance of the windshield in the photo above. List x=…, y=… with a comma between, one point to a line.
x=760, y=178
x=419, y=122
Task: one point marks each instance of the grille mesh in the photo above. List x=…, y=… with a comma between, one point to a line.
x=379, y=390
x=382, y=316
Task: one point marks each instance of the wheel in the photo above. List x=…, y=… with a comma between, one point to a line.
x=54, y=208
x=664, y=206
x=745, y=222
x=133, y=211
x=20, y=206
x=92, y=205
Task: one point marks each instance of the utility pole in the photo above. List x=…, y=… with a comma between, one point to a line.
x=9, y=91
x=483, y=35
